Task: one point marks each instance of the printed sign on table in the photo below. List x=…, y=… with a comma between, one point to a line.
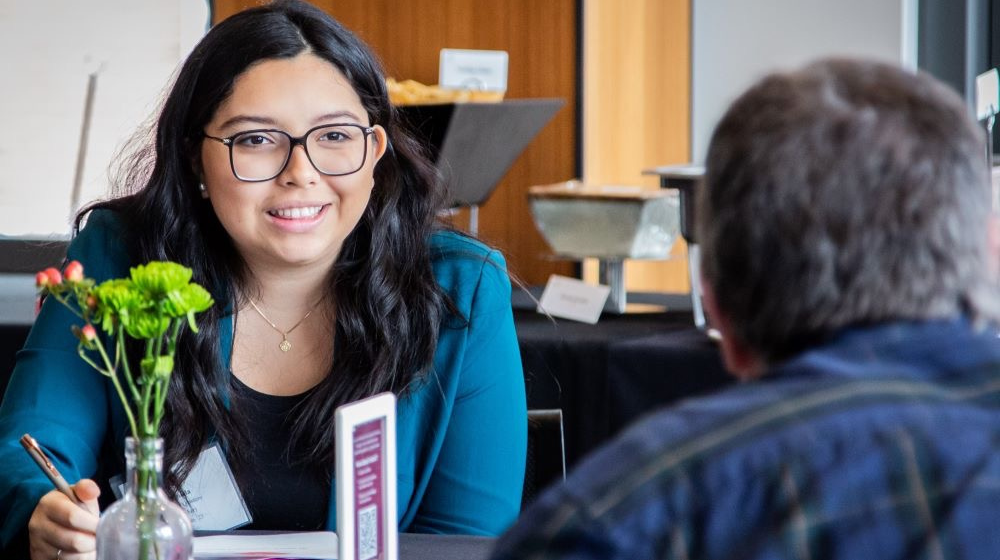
x=366, y=479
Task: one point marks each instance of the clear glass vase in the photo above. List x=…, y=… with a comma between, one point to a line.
x=144, y=524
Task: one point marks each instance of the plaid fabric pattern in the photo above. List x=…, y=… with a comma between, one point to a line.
x=882, y=444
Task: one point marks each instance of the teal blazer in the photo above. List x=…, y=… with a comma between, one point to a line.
x=461, y=432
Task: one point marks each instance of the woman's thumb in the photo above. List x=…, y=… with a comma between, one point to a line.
x=87, y=491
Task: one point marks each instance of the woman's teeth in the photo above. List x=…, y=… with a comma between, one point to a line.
x=295, y=213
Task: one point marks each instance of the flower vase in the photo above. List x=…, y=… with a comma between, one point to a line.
x=144, y=524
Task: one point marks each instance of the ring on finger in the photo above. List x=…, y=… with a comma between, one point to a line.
x=59, y=554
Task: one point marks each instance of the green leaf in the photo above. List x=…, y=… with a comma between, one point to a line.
x=158, y=367
x=191, y=322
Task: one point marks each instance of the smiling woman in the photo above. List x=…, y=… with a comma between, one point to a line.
x=278, y=172
x=281, y=205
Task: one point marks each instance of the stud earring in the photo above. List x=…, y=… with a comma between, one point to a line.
x=203, y=190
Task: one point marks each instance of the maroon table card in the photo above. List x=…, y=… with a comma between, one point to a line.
x=369, y=456
x=366, y=479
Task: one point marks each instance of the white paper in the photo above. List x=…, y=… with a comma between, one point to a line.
x=318, y=545
x=987, y=94
x=473, y=69
x=573, y=299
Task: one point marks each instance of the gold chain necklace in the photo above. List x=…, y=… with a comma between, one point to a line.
x=285, y=344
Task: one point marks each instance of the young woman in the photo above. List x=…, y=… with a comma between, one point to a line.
x=281, y=176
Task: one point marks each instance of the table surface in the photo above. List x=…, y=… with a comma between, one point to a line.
x=414, y=546
x=444, y=547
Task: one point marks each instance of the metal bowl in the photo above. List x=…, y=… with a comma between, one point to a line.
x=610, y=222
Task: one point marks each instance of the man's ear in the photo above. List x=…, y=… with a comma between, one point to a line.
x=738, y=357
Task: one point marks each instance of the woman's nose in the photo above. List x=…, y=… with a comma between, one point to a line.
x=299, y=171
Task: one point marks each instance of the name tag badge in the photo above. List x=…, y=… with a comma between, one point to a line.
x=573, y=299
x=209, y=494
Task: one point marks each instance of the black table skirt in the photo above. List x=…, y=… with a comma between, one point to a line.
x=606, y=376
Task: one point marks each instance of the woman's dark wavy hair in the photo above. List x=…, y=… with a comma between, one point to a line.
x=389, y=307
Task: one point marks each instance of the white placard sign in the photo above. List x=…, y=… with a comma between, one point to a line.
x=987, y=94
x=366, y=479
x=573, y=299
x=472, y=69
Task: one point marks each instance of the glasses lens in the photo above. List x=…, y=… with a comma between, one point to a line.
x=337, y=149
x=259, y=154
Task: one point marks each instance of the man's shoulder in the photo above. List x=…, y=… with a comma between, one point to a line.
x=764, y=424
x=742, y=460
x=685, y=437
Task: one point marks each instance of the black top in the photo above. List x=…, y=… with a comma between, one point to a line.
x=281, y=495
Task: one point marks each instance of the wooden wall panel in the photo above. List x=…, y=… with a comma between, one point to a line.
x=636, y=112
x=540, y=37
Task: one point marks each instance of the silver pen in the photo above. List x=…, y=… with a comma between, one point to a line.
x=33, y=449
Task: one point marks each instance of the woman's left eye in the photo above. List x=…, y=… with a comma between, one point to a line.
x=334, y=135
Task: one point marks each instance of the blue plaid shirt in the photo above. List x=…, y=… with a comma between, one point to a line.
x=883, y=443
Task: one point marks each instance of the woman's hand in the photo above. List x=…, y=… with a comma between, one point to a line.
x=61, y=530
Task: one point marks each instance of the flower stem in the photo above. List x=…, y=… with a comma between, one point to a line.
x=145, y=495
x=120, y=337
x=111, y=372
x=63, y=299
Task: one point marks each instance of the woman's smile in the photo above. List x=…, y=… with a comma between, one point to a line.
x=296, y=212
x=298, y=219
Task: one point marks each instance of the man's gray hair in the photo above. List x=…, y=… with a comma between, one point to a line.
x=846, y=193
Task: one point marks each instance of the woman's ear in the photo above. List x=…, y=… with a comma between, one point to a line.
x=738, y=356
x=198, y=171
x=381, y=141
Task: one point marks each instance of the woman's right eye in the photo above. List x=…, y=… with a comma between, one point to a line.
x=253, y=139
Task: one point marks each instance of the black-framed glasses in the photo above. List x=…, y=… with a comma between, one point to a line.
x=262, y=154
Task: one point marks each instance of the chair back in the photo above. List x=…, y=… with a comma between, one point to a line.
x=546, y=459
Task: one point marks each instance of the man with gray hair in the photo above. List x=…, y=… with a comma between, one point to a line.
x=846, y=250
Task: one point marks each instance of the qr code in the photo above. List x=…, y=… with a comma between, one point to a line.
x=368, y=533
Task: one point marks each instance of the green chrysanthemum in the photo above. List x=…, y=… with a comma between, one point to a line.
x=115, y=301
x=159, y=278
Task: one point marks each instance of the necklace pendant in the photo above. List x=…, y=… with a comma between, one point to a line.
x=285, y=346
